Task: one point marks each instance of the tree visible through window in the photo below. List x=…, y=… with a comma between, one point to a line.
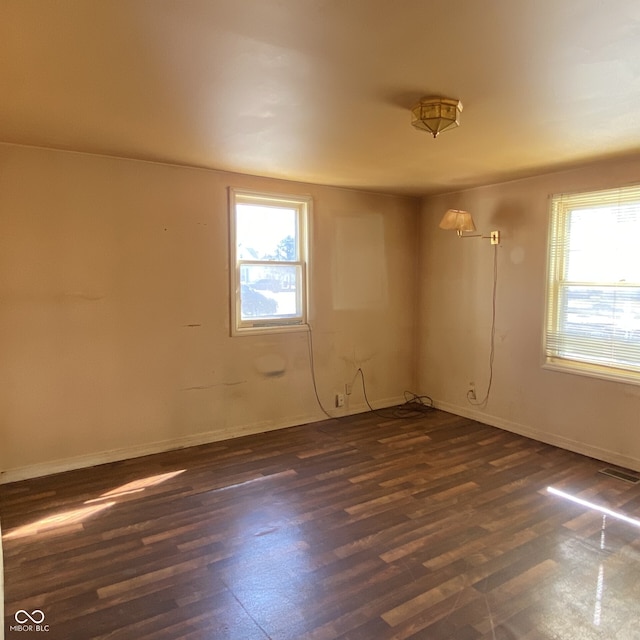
x=593, y=291
x=269, y=258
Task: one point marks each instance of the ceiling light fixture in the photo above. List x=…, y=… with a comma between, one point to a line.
x=462, y=221
x=436, y=114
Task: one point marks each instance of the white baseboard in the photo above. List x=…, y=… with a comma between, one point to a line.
x=542, y=436
x=115, y=455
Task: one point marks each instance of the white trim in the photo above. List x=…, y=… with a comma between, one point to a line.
x=591, y=370
x=303, y=205
x=116, y=455
x=137, y=451
x=362, y=407
x=576, y=446
x=609, y=358
x=271, y=328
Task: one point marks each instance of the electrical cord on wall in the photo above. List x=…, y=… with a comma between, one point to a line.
x=470, y=399
x=313, y=373
x=414, y=405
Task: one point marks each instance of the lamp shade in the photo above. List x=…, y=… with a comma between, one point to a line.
x=458, y=220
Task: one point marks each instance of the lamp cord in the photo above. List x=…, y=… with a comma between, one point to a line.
x=413, y=406
x=483, y=403
x=313, y=372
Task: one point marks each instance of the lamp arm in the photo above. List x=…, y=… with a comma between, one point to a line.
x=494, y=236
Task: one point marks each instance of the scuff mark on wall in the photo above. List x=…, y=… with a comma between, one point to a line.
x=204, y=387
x=81, y=295
x=271, y=365
x=191, y=326
x=272, y=374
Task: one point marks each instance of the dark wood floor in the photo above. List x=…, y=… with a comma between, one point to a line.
x=362, y=528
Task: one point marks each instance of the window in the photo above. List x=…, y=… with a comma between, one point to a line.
x=593, y=290
x=268, y=261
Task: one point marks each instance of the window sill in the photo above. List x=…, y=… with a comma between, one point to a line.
x=268, y=329
x=592, y=371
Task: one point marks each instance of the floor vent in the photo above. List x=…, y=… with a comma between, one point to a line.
x=620, y=475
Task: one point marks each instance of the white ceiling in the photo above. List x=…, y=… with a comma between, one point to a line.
x=321, y=90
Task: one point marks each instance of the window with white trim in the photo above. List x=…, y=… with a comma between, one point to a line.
x=269, y=247
x=593, y=288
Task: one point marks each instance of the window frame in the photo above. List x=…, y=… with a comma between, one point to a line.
x=302, y=204
x=561, y=207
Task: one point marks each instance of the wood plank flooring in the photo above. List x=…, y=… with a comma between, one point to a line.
x=363, y=528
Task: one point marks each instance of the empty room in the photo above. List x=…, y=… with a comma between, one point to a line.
x=320, y=319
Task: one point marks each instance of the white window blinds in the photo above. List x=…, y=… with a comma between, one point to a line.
x=593, y=290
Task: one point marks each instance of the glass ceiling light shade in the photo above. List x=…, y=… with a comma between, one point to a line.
x=436, y=115
x=459, y=220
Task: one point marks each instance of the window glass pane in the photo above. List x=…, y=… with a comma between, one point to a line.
x=270, y=291
x=266, y=233
x=602, y=312
x=268, y=260
x=603, y=244
x=599, y=325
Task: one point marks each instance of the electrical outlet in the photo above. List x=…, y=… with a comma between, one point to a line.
x=339, y=399
x=348, y=388
x=471, y=393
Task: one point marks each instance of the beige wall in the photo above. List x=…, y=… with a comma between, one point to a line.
x=595, y=417
x=114, y=322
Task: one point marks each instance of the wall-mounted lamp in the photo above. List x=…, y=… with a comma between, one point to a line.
x=462, y=222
